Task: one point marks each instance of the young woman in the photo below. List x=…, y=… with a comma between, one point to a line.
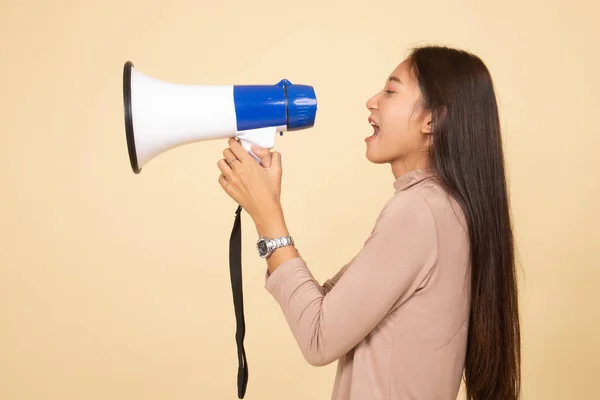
x=433, y=292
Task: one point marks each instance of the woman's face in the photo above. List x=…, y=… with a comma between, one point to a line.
x=401, y=128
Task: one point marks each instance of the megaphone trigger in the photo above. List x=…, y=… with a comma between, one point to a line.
x=261, y=137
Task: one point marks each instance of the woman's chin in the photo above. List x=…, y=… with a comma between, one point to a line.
x=374, y=156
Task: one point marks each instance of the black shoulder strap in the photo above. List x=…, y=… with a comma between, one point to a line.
x=235, y=269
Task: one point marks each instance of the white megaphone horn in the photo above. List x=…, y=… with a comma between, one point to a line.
x=160, y=115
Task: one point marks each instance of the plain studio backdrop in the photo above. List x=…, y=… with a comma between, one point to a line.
x=116, y=286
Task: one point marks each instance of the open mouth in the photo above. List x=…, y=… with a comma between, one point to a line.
x=375, y=129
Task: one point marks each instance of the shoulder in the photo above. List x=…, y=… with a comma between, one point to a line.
x=408, y=207
x=422, y=207
x=445, y=210
x=407, y=223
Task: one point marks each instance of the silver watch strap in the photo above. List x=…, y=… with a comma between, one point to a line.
x=276, y=243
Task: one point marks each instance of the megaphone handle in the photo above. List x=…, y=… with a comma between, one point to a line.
x=235, y=270
x=248, y=147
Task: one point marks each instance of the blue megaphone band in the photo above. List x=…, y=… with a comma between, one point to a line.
x=283, y=104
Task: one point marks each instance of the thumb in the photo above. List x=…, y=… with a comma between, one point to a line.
x=276, y=162
x=263, y=154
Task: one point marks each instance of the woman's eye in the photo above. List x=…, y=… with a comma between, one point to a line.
x=389, y=91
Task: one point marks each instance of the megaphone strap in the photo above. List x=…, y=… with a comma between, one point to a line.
x=235, y=270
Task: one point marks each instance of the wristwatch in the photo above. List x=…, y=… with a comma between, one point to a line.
x=266, y=246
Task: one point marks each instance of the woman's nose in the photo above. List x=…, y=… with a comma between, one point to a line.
x=372, y=103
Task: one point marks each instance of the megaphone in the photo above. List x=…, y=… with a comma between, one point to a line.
x=161, y=115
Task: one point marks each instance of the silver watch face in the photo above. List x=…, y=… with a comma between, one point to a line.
x=263, y=250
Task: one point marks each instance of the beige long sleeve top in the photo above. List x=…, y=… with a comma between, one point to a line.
x=395, y=318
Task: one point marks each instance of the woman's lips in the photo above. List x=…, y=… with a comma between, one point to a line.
x=375, y=129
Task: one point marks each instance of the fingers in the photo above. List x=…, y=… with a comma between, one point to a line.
x=228, y=179
x=276, y=157
x=236, y=150
x=263, y=154
x=239, y=152
x=226, y=171
x=230, y=158
x=223, y=181
x=276, y=161
x=228, y=185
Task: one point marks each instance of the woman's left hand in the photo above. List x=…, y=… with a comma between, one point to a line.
x=255, y=187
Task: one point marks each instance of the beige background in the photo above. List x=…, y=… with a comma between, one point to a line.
x=116, y=286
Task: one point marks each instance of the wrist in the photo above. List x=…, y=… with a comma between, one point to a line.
x=271, y=224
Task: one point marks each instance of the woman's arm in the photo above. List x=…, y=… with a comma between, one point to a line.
x=272, y=225
x=396, y=257
x=329, y=283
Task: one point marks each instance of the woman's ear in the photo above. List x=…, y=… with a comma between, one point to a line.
x=427, y=123
x=433, y=120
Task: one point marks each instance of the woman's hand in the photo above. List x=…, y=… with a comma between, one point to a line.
x=257, y=188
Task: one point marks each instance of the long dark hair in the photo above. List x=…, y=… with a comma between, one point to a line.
x=467, y=155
